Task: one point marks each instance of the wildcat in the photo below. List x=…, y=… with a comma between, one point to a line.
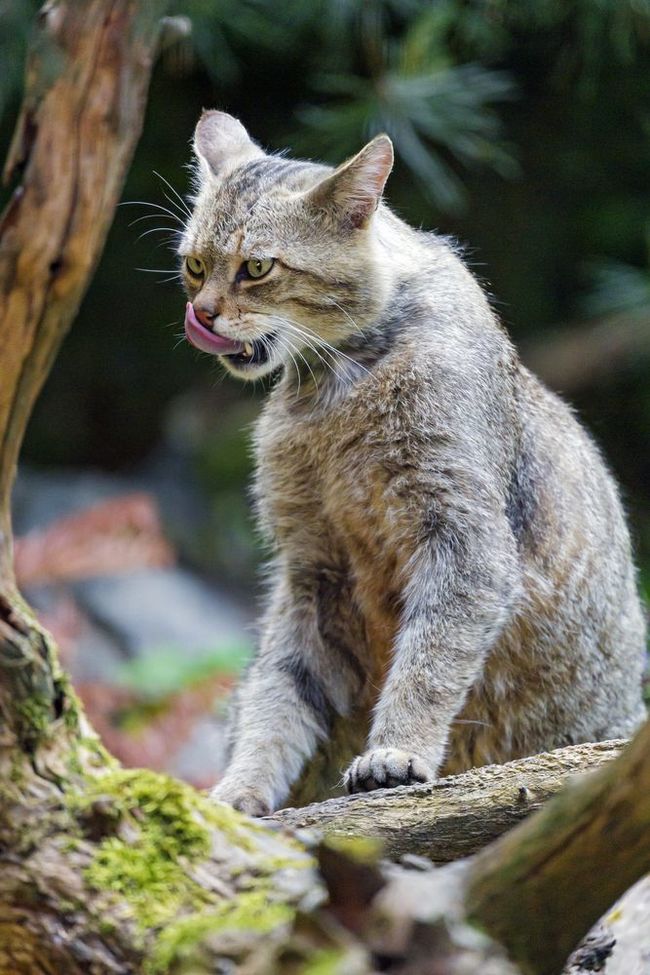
x=452, y=563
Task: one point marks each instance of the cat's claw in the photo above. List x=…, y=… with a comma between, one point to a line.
x=385, y=768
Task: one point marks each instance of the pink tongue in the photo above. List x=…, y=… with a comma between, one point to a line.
x=205, y=340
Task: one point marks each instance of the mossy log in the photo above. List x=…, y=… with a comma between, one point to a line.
x=455, y=816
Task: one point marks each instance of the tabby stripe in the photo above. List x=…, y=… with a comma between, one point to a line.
x=318, y=305
x=349, y=657
x=290, y=168
x=321, y=278
x=309, y=688
x=257, y=173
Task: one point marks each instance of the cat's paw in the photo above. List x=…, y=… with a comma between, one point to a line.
x=246, y=800
x=385, y=768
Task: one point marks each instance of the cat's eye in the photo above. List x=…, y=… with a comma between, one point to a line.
x=195, y=266
x=257, y=267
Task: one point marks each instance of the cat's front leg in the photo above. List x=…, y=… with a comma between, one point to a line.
x=278, y=721
x=456, y=603
x=285, y=704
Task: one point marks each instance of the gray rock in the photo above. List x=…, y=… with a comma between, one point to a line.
x=202, y=758
x=163, y=608
x=40, y=497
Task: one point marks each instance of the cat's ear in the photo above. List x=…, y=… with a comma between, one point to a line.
x=221, y=144
x=354, y=190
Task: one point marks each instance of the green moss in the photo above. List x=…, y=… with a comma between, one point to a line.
x=72, y=706
x=35, y=715
x=96, y=753
x=250, y=911
x=366, y=850
x=329, y=961
x=161, y=825
x=17, y=769
x=154, y=830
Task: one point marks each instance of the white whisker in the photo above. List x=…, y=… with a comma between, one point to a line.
x=330, y=349
x=155, y=230
x=306, y=361
x=157, y=270
x=286, y=344
x=283, y=322
x=154, y=206
x=183, y=204
x=347, y=314
x=150, y=216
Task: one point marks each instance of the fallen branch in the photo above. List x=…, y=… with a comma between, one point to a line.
x=581, y=356
x=562, y=869
x=456, y=816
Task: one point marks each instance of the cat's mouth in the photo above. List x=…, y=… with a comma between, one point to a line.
x=254, y=353
x=249, y=352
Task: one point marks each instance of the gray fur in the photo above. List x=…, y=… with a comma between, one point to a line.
x=450, y=549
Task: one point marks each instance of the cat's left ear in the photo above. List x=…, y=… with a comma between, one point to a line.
x=354, y=190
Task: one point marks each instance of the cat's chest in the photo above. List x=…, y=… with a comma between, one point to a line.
x=333, y=480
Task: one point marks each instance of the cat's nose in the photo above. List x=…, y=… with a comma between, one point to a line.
x=206, y=315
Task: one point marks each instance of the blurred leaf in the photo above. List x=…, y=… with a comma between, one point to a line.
x=615, y=287
x=432, y=117
x=588, y=33
x=168, y=670
x=16, y=21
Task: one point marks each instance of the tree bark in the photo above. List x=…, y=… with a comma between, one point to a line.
x=564, y=867
x=86, y=85
x=455, y=816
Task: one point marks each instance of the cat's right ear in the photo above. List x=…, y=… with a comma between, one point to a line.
x=353, y=191
x=221, y=144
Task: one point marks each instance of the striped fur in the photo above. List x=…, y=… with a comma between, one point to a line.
x=451, y=555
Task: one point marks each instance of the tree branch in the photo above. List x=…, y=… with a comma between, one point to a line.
x=540, y=888
x=455, y=816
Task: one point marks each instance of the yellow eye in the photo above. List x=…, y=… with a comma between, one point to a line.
x=195, y=266
x=258, y=267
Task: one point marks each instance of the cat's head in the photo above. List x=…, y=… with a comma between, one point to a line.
x=280, y=258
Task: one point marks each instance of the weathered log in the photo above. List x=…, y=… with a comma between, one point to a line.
x=563, y=868
x=455, y=816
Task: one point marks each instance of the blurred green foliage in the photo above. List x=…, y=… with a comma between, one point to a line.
x=521, y=126
x=167, y=670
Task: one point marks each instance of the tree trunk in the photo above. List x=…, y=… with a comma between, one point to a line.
x=110, y=871
x=86, y=85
